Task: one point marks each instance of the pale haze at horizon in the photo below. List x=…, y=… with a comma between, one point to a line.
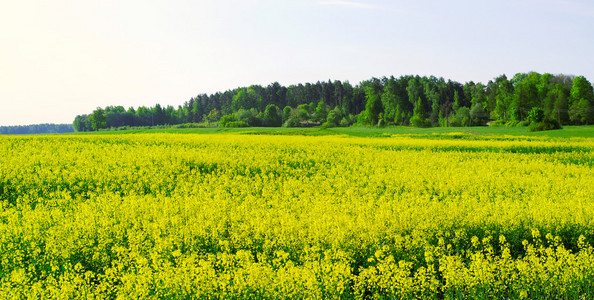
x=63, y=58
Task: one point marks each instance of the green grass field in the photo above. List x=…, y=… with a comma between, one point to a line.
x=362, y=131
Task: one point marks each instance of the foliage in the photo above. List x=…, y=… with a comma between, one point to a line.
x=236, y=124
x=250, y=117
x=461, y=118
x=536, y=115
x=272, y=116
x=36, y=129
x=242, y=118
x=334, y=118
x=418, y=121
x=286, y=113
x=226, y=120
x=538, y=121
x=300, y=117
x=478, y=116
x=246, y=99
x=190, y=125
x=547, y=124
x=347, y=121
x=97, y=119
x=582, y=101
x=378, y=101
x=213, y=116
x=373, y=107
x=320, y=112
x=82, y=123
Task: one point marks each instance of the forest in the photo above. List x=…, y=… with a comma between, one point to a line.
x=36, y=129
x=409, y=100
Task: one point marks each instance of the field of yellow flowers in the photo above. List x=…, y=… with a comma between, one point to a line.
x=259, y=216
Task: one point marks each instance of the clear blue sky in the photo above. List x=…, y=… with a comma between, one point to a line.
x=62, y=58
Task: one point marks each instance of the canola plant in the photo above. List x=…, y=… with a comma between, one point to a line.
x=191, y=216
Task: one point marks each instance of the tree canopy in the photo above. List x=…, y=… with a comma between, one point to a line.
x=406, y=100
x=36, y=129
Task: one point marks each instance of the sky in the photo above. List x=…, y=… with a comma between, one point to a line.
x=62, y=58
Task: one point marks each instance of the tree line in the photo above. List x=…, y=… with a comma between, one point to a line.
x=36, y=129
x=406, y=100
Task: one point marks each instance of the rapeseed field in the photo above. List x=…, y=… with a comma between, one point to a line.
x=194, y=216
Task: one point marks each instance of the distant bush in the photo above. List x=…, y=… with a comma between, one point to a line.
x=536, y=115
x=291, y=122
x=538, y=121
x=124, y=128
x=460, y=118
x=478, y=115
x=417, y=121
x=299, y=117
x=345, y=122
x=362, y=118
x=547, y=124
x=333, y=117
x=226, y=119
x=191, y=125
x=235, y=124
